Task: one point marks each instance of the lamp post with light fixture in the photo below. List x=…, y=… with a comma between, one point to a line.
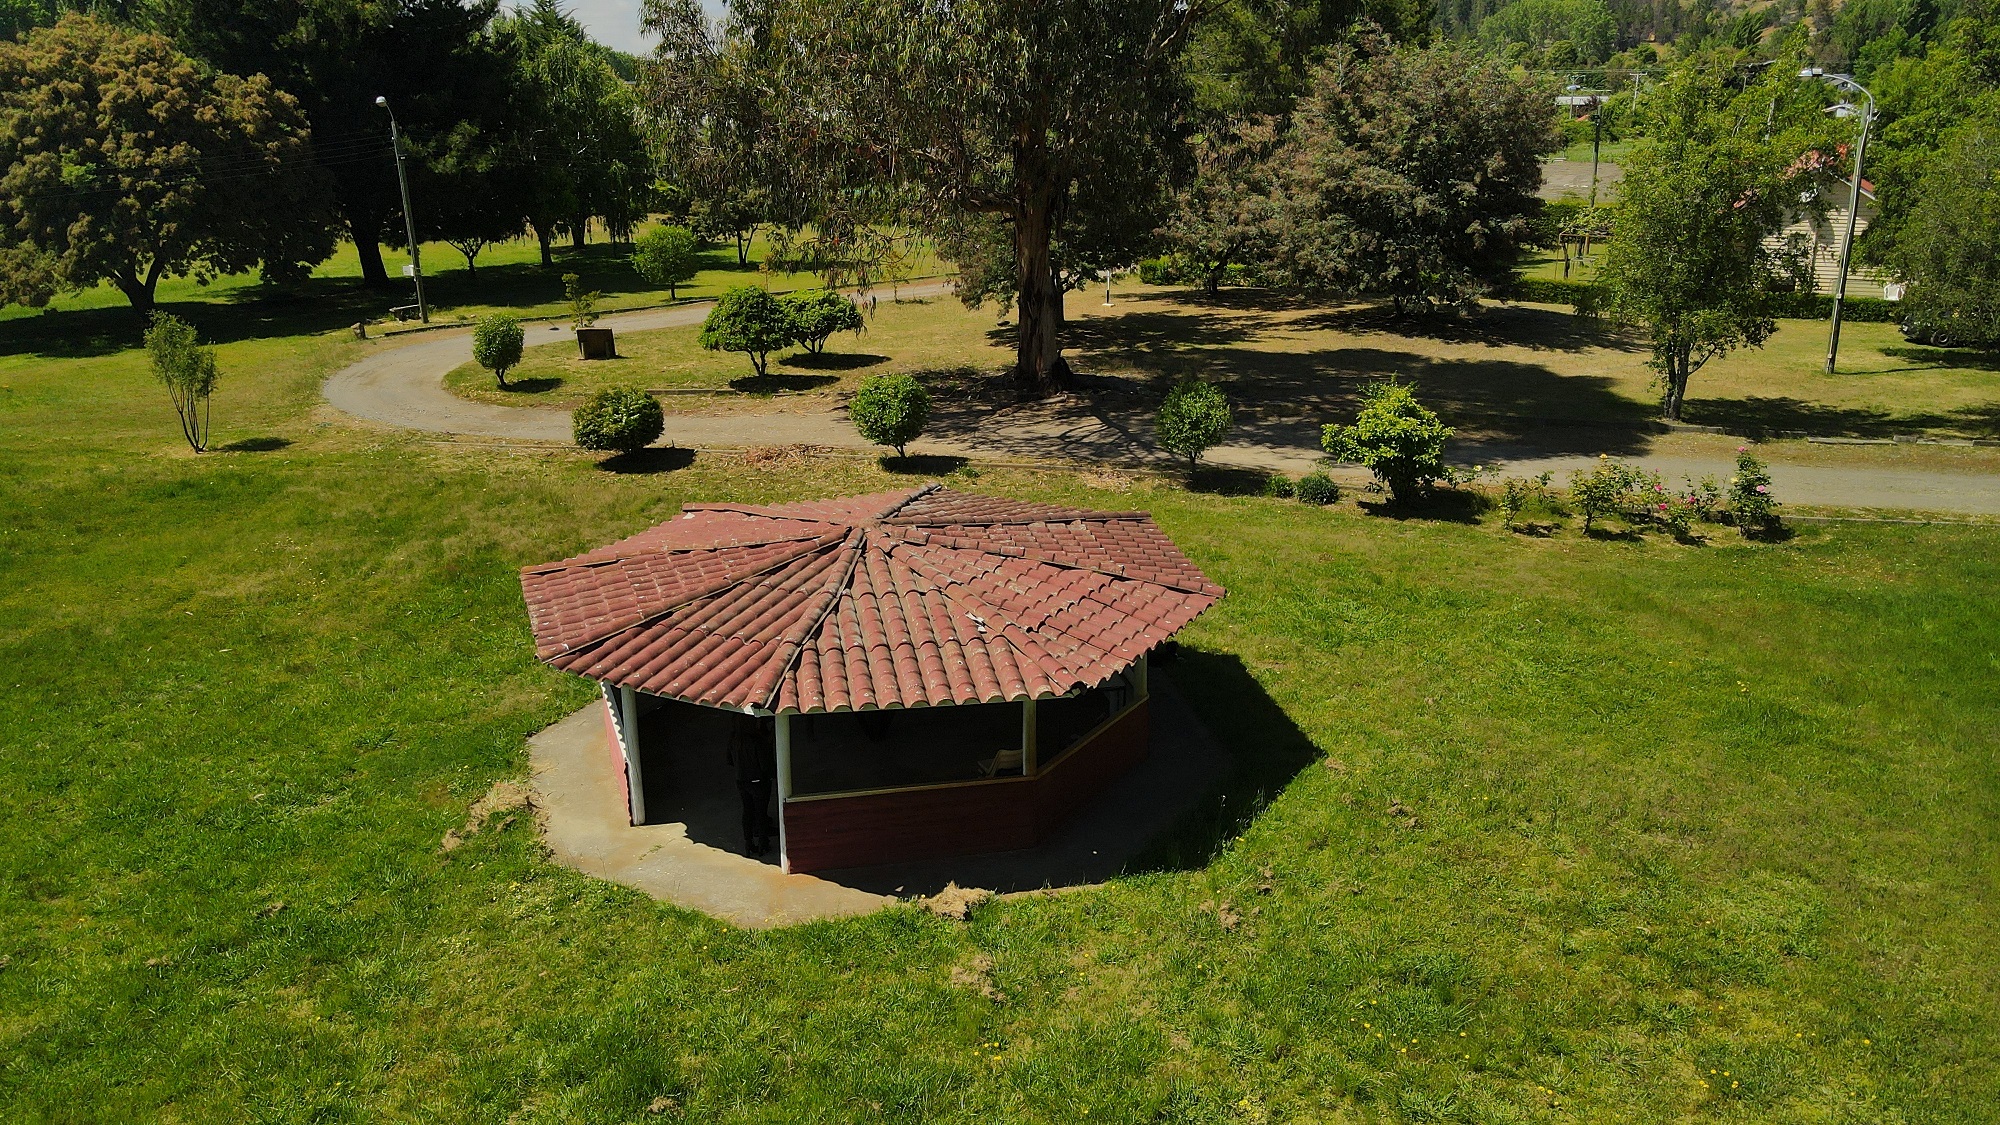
x=1853, y=201
x=409, y=216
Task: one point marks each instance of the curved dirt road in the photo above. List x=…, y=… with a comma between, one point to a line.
x=403, y=385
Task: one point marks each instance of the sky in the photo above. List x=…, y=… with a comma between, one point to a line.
x=614, y=23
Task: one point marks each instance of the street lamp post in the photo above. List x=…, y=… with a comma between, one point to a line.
x=409, y=216
x=1853, y=202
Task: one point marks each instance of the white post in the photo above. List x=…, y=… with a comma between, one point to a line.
x=784, y=785
x=628, y=705
x=1028, y=737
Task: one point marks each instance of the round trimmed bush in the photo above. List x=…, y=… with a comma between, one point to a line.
x=497, y=343
x=890, y=410
x=1398, y=438
x=748, y=319
x=1278, y=486
x=1316, y=488
x=1192, y=419
x=818, y=313
x=618, y=420
x=667, y=256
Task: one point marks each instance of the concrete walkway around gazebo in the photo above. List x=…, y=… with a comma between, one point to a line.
x=577, y=787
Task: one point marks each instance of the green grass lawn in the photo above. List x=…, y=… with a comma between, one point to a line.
x=1505, y=374
x=1702, y=833
x=933, y=334
x=509, y=277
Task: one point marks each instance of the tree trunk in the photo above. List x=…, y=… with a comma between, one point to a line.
x=373, y=273
x=1039, y=369
x=743, y=245
x=140, y=293
x=543, y=236
x=1677, y=383
x=579, y=233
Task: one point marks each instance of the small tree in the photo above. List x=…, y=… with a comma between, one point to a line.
x=818, y=313
x=582, y=305
x=188, y=370
x=1396, y=437
x=748, y=319
x=1192, y=419
x=1949, y=249
x=1687, y=262
x=890, y=410
x=618, y=419
x=667, y=256
x=497, y=343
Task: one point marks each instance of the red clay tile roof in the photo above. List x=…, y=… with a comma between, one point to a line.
x=895, y=599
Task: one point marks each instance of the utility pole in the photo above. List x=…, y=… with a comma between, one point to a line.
x=409, y=216
x=1853, y=203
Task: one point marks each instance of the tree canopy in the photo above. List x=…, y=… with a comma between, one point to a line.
x=124, y=160
x=430, y=58
x=930, y=113
x=1411, y=173
x=1686, y=262
x=1950, y=250
x=581, y=152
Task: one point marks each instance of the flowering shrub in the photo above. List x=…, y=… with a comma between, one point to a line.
x=1751, y=504
x=1612, y=488
x=1515, y=492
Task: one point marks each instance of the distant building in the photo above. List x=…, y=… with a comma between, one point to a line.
x=1813, y=227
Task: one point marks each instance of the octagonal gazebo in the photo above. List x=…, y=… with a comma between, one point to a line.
x=947, y=673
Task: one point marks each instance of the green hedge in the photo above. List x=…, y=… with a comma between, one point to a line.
x=1819, y=306
x=1551, y=292
x=1791, y=306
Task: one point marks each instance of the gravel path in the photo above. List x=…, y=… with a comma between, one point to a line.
x=403, y=385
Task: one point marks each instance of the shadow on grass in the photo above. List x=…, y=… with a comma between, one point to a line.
x=1440, y=505
x=923, y=464
x=641, y=462
x=255, y=445
x=834, y=361
x=1514, y=326
x=1228, y=480
x=779, y=383
x=1790, y=415
x=540, y=384
x=1929, y=356
x=1268, y=749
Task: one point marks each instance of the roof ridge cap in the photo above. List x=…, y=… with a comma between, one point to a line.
x=855, y=545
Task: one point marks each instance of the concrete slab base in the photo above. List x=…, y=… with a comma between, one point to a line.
x=579, y=790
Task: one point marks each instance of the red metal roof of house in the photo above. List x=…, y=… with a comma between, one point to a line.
x=895, y=599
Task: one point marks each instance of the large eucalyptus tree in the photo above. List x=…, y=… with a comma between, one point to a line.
x=936, y=111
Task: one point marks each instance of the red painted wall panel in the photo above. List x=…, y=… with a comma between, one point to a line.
x=827, y=833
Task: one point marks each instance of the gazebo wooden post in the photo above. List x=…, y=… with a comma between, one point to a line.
x=628, y=707
x=784, y=724
x=1028, y=737
x=1138, y=677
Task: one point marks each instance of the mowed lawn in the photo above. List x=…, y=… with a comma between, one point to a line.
x=1700, y=833
x=1513, y=373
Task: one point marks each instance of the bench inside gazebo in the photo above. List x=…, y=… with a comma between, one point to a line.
x=943, y=673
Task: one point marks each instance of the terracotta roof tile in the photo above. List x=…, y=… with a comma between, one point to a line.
x=896, y=599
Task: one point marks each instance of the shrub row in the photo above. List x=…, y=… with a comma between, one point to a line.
x=1792, y=306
